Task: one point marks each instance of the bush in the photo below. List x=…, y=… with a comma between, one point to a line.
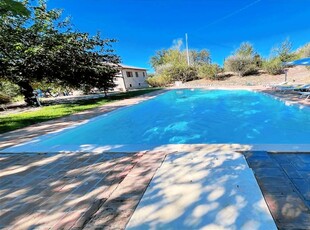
x=159, y=80
x=242, y=65
x=9, y=92
x=273, y=66
x=304, y=51
x=4, y=99
x=210, y=71
x=182, y=73
x=284, y=51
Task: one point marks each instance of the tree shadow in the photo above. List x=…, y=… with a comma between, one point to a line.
x=203, y=188
x=55, y=190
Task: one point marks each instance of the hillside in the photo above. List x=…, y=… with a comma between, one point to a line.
x=296, y=75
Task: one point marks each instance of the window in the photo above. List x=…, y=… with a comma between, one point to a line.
x=129, y=74
x=143, y=74
x=139, y=84
x=137, y=74
x=130, y=85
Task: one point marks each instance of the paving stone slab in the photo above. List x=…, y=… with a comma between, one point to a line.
x=288, y=195
x=192, y=196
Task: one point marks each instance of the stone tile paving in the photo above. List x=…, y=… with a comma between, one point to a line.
x=285, y=183
x=65, y=191
x=291, y=97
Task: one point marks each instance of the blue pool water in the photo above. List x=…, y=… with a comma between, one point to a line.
x=191, y=117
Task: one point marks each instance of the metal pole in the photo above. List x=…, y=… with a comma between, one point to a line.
x=285, y=71
x=187, y=49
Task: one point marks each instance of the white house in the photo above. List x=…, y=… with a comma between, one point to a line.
x=130, y=77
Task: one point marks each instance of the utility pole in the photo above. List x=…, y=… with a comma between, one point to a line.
x=187, y=49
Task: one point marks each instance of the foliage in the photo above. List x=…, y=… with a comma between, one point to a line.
x=158, y=58
x=160, y=80
x=304, y=51
x=4, y=99
x=183, y=73
x=43, y=48
x=245, y=61
x=172, y=65
x=15, y=121
x=258, y=62
x=15, y=8
x=283, y=51
x=199, y=57
x=242, y=65
x=245, y=49
x=273, y=66
x=9, y=91
x=209, y=71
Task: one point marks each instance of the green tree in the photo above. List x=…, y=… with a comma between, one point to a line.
x=283, y=51
x=242, y=65
x=11, y=7
x=304, y=51
x=209, y=71
x=200, y=57
x=43, y=48
x=273, y=66
x=245, y=49
x=171, y=65
x=158, y=58
x=245, y=61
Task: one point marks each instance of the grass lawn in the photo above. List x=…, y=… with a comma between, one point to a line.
x=16, y=121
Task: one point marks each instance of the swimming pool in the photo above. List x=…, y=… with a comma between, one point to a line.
x=185, y=117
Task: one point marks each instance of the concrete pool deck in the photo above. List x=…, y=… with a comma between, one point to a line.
x=87, y=190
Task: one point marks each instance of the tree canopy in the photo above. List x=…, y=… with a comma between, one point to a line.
x=41, y=47
x=11, y=7
x=172, y=65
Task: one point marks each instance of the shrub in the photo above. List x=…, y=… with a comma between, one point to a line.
x=242, y=65
x=9, y=89
x=182, y=73
x=159, y=80
x=284, y=51
x=9, y=92
x=210, y=71
x=273, y=66
x=304, y=51
x=4, y=99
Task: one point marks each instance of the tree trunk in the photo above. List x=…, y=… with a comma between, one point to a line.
x=27, y=90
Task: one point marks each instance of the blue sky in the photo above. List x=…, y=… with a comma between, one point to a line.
x=144, y=26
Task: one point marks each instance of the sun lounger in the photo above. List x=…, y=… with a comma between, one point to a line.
x=274, y=86
x=298, y=88
x=285, y=88
x=305, y=87
x=305, y=94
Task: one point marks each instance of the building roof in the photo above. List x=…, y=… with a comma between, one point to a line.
x=125, y=66
x=131, y=67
